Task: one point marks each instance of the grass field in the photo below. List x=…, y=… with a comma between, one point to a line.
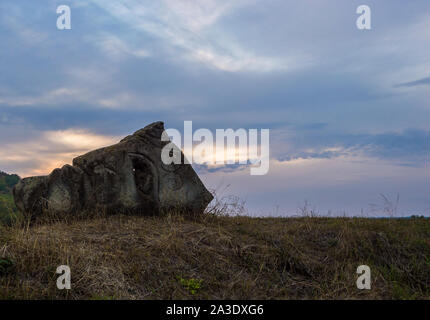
x=216, y=257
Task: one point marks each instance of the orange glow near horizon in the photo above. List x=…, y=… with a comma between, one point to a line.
x=52, y=149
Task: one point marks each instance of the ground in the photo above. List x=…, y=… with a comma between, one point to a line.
x=213, y=257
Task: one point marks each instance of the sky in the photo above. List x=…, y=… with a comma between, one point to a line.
x=348, y=109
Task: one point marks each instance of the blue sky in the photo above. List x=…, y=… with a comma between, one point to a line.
x=348, y=109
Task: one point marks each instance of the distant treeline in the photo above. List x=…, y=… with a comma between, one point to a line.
x=7, y=182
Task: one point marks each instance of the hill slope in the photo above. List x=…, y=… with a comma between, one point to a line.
x=7, y=205
x=124, y=257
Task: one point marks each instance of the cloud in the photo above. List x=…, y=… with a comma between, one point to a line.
x=196, y=16
x=102, y=98
x=409, y=147
x=52, y=97
x=419, y=82
x=116, y=48
x=184, y=24
x=12, y=17
x=321, y=154
x=41, y=152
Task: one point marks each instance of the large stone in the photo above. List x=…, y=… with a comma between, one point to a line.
x=128, y=177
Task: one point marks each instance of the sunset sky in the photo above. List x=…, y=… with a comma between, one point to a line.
x=348, y=110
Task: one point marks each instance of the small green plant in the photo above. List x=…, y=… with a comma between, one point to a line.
x=401, y=292
x=6, y=266
x=192, y=285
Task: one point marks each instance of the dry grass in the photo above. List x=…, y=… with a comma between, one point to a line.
x=212, y=257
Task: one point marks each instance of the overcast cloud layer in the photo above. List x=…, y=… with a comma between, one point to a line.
x=348, y=110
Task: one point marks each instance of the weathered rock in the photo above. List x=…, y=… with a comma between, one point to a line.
x=127, y=177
